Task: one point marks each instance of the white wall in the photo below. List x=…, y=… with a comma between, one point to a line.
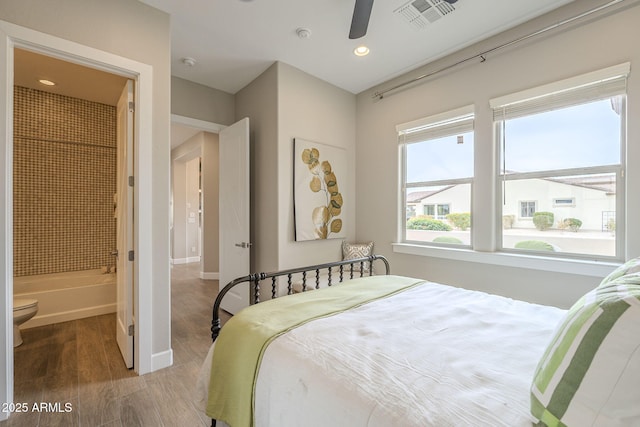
x=583, y=48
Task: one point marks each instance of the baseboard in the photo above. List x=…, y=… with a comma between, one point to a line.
x=65, y=316
x=209, y=276
x=185, y=260
x=161, y=360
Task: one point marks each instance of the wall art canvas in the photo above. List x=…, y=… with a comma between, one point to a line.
x=319, y=170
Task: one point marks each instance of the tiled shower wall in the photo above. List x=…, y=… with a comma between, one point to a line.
x=64, y=162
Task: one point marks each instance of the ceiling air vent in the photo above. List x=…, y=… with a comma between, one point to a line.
x=421, y=13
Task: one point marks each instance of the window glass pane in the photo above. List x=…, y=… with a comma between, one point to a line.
x=447, y=216
x=588, y=226
x=583, y=135
x=450, y=157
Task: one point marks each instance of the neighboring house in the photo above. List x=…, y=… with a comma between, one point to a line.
x=591, y=201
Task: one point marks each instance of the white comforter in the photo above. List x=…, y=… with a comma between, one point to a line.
x=431, y=356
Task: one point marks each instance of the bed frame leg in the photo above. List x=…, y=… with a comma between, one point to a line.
x=213, y=423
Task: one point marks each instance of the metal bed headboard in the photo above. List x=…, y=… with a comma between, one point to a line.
x=355, y=268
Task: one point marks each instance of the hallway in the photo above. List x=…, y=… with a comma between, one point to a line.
x=76, y=366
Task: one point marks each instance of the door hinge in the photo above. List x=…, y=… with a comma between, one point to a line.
x=132, y=106
x=131, y=330
x=131, y=256
x=131, y=181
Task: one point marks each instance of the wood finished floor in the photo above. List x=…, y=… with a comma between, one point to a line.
x=79, y=363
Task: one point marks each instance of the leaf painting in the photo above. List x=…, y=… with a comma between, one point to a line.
x=323, y=180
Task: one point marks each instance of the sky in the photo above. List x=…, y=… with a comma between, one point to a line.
x=580, y=136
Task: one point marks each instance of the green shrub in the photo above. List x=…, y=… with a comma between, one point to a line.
x=572, y=224
x=447, y=239
x=424, y=222
x=543, y=220
x=507, y=221
x=535, y=245
x=461, y=220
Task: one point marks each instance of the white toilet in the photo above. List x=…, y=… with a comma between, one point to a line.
x=23, y=310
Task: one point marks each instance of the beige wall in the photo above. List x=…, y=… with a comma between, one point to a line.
x=200, y=102
x=202, y=147
x=185, y=235
x=192, y=208
x=590, y=46
x=132, y=30
x=210, y=204
x=282, y=104
x=312, y=109
x=179, y=214
x=259, y=101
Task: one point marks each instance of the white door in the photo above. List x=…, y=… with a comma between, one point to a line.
x=234, y=212
x=124, y=224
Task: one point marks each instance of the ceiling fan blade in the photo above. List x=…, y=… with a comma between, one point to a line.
x=360, y=20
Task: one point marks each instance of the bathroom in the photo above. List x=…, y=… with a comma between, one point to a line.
x=64, y=181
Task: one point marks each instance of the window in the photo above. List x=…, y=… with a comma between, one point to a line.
x=443, y=211
x=561, y=165
x=437, y=172
x=430, y=210
x=527, y=209
x=437, y=211
x=570, y=201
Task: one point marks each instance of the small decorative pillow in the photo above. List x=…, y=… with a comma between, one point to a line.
x=357, y=250
x=589, y=374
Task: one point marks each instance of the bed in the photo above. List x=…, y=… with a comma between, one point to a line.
x=386, y=350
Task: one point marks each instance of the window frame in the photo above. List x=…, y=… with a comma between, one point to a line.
x=485, y=246
x=589, y=85
x=456, y=121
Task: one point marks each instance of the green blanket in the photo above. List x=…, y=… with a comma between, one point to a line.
x=244, y=338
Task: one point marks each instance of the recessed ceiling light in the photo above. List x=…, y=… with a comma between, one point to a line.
x=361, y=51
x=303, y=33
x=46, y=82
x=188, y=61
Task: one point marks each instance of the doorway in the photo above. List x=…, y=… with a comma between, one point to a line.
x=224, y=176
x=22, y=38
x=72, y=145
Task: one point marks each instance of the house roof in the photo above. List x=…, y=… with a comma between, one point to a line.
x=599, y=182
x=418, y=196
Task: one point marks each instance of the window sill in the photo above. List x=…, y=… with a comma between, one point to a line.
x=571, y=266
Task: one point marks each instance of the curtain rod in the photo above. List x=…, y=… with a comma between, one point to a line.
x=380, y=94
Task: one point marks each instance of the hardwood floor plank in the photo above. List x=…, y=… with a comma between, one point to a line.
x=138, y=410
x=174, y=401
x=79, y=363
x=61, y=414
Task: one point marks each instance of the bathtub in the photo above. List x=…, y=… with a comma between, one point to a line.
x=67, y=296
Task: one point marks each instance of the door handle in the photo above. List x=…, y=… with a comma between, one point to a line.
x=244, y=245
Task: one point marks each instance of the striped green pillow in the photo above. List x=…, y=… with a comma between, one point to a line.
x=589, y=374
x=629, y=267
